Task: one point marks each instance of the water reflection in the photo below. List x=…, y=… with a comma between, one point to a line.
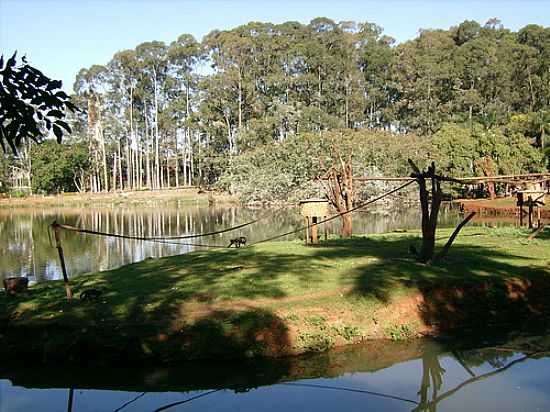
x=26, y=245
x=414, y=376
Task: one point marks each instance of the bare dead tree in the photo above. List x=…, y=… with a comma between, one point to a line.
x=487, y=166
x=430, y=203
x=340, y=192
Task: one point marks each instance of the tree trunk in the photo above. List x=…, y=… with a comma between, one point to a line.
x=340, y=193
x=430, y=212
x=119, y=165
x=347, y=227
x=128, y=165
x=157, y=160
x=176, y=165
x=114, y=180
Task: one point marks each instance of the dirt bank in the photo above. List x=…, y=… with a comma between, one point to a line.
x=501, y=206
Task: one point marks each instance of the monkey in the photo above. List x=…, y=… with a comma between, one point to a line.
x=15, y=285
x=90, y=294
x=238, y=241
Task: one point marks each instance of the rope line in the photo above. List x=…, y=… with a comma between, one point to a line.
x=338, y=388
x=360, y=206
x=170, y=239
x=146, y=239
x=229, y=229
x=171, y=405
x=130, y=402
x=153, y=238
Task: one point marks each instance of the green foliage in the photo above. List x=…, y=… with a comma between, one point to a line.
x=31, y=104
x=256, y=122
x=399, y=332
x=4, y=182
x=286, y=171
x=459, y=148
x=55, y=167
x=346, y=331
x=315, y=342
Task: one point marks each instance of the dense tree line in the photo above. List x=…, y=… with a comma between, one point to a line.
x=190, y=112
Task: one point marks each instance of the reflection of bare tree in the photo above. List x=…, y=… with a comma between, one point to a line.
x=432, y=375
x=433, y=404
x=70, y=400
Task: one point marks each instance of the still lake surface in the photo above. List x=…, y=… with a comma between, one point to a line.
x=26, y=244
x=506, y=376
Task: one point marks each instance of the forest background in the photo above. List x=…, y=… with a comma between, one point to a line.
x=258, y=110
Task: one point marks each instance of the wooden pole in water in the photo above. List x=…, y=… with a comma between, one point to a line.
x=68, y=290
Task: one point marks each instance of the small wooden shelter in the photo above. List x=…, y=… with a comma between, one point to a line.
x=313, y=210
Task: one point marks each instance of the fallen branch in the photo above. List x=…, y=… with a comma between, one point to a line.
x=449, y=243
x=536, y=232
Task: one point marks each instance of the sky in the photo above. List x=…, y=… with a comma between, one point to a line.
x=60, y=37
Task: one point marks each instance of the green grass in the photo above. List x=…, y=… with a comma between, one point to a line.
x=253, y=299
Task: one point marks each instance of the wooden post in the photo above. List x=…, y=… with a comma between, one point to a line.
x=530, y=205
x=68, y=290
x=314, y=231
x=307, y=230
x=520, y=208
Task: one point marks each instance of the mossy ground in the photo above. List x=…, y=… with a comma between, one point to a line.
x=279, y=298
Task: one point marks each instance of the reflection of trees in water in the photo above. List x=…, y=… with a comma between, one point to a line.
x=432, y=376
x=433, y=372
x=196, y=380
x=27, y=250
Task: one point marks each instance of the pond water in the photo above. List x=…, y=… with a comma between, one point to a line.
x=26, y=247
x=511, y=375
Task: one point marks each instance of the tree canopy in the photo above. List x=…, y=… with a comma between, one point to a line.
x=183, y=113
x=31, y=104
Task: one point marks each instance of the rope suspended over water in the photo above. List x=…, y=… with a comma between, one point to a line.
x=141, y=238
x=328, y=219
x=171, y=239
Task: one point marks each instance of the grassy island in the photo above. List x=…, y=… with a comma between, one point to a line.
x=283, y=298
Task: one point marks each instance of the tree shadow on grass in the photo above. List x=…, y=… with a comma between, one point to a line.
x=141, y=313
x=476, y=286
x=171, y=309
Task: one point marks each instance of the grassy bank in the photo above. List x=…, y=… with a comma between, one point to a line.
x=188, y=195
x=283, y=298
